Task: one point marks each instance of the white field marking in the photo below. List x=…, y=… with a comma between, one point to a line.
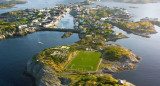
x=77, y=52
x=72, y=66
x=99, y=64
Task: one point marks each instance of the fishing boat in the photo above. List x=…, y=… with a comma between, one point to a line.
x=39, y=42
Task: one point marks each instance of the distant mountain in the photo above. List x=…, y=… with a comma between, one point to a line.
x=138, y=1
x=135, y=1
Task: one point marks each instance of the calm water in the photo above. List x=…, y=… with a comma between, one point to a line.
x=14, y=53
x=147, y=71
x=38, y=4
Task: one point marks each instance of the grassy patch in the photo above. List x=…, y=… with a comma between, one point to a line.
x=115, y=53
x=85, y=61
x=89, y=80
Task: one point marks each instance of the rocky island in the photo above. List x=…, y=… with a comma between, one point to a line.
x=141, y=28
x=10, y=4
x=62, y=65
x=154, y=21
x=117, y=59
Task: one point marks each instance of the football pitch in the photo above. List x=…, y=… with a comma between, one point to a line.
x=85, y=61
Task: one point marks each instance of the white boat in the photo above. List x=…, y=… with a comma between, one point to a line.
x=39, y=42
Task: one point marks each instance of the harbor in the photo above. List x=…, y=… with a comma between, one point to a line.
x=17, y=51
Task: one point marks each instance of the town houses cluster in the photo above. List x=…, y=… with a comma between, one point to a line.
x=30, y=20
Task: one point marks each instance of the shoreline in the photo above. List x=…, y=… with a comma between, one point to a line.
x=40, y=69
x=142, y=33
x=119, y=66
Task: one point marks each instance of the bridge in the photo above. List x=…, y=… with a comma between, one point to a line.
x=61, y=30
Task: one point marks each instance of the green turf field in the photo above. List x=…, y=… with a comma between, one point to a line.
x=85, y=61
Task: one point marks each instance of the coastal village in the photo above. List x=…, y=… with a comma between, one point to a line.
x=27, y=21
x=91, y=20
x=30, y=20
x=88, y=62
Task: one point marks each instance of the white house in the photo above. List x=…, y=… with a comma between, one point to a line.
x=22, y=26
x=103, y=19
